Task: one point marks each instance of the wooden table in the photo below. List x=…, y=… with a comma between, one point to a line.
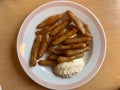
x=12, y=14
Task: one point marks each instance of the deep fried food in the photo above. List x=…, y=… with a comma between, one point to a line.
x=76, y=40
x=72, y=46
x=86, y=27
x=64, y=36
x=75, y=51
x=46, y=30
x=34, y=51
x=47, y=62
x=50, y=20
x=77, y=21
x=62, y=59
x=54, y=51
x=58, y=34
x=43, y=45
x=71, y=27
x=88, y=34
x=59, y=27
x=52, y=57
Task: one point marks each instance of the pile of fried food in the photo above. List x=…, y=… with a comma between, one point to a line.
x=64, y=37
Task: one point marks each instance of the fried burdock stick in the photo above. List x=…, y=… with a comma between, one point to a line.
x=64, y=36
x=87, y=34
x=59, y=27
x=50, y=20
x=52, y=57
x=62, y=59
x=43, y=45
x=44, y=31
x=77, y=21
x=76, y=40
x=47, y=63
x=35, y=49
x=71, y=46
x=56, y=36
x=62, y=31
x=74, y=52
x=54, y=51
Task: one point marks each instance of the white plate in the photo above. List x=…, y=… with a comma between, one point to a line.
x=43, y=75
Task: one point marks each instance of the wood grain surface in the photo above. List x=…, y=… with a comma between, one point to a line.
x=13, y=13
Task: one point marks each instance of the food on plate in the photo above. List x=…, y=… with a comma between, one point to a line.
x=43, y=45
x=72, y=46
x=47, y=63
x=54, y=51
x=35, y=49
x=71, y=27
x=49, y=21
x=64, y=36
x=77, y=40
x=47, y=29
x=69, y=69
x=77, y=21
x=62, y=59
x=87, y=34
x=73, y=52
x=59, y=27
x=52, y=57
x=62, y=31
x=62, y=42
x=86, y=27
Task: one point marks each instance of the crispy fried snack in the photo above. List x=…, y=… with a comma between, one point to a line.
x=71, y=27
x=76, y=40
x=58, y=34
x=87, y=34
x=74, y=52
x=54, y=51
x=44, y=31
x=52, y=57
x=43, y=45
x=62, y=59
x=77, y=21
x=72, y=46
x=59, y=27
x=86, y=27
x=50, y=20
x=34, y=51
x=47, y=62
x=64, y=36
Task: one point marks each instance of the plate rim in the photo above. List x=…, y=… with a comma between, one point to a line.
x=47, y=85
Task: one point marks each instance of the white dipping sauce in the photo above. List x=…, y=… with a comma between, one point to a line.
x=69, y=69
